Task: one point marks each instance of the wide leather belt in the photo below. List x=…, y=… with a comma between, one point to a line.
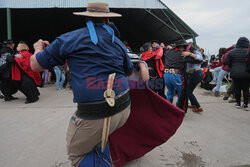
x=173, y=71
x=151, y=68
x=192, y=71
x=98, y=110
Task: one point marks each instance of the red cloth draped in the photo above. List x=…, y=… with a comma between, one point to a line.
x=16, y=73
x=24, y=64
x=225, y=67
x=183, y=99
x=157, y=54
x=152, y=121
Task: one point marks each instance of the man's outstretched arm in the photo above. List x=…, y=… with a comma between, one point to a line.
x=38, y=47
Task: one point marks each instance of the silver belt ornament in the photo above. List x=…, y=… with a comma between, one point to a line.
x=109, y=96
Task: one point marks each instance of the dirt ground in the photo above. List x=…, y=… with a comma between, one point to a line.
x=33, y=135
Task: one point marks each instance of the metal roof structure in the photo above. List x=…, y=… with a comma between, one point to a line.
x=140, y=4
x=142, y=21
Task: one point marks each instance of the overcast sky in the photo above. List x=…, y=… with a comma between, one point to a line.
x=219, y=23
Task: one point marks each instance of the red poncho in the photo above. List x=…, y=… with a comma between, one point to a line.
x=157, y=54
x=152, y=121
x=24, y=64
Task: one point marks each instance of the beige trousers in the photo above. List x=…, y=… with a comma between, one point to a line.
x=83, y=135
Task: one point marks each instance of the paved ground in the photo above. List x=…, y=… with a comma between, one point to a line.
x=33, y=135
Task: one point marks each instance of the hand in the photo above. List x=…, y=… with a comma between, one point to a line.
x=19, y=56
x=169, y=47
x=185, y=54
x=40, y=45
x=140, y=64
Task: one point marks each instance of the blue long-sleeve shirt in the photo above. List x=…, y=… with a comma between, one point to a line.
x=90, y=64
x=190, y=66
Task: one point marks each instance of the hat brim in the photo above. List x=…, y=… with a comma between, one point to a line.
x=181, y=45
x=8, y=42
x=193, y=46
x=97, y=14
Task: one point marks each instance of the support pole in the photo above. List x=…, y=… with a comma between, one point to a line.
x=173, y=25
x=163, y=22
x=9, y=28
x=194, y=41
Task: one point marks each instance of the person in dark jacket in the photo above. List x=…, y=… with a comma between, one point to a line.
x=7, y=86
x=236, y=60
x=175, y=76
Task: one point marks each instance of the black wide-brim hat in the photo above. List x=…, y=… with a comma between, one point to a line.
x=8, y=41
x=188, y=46
x=146, y=46
x=156, y=41
x=180, y=43
x=192, y=46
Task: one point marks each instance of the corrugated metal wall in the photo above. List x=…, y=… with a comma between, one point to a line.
x=153, y=4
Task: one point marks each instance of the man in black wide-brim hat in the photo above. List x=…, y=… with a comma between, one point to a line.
x=7, y=86
x=175, y=76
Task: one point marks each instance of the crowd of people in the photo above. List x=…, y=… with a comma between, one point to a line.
x=232, y=63
x=173, y=70
x=168, y=70
x=178, y=68
x=168, y=67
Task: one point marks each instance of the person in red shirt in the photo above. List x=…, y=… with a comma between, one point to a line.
x=155, y=66
x=225, y=69
x=217, y=65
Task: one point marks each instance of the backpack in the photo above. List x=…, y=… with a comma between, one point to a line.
x=207, y=77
